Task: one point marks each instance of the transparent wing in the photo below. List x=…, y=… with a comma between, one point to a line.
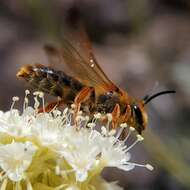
x=77, y=59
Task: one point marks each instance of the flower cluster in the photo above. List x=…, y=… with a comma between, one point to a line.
x=51, y=151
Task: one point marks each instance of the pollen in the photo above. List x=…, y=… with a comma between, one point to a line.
x=15, y=99
x=140, y=138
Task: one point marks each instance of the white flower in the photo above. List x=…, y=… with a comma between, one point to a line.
x=15, y=158
x=81, y=152
x=70, y=149
x=12, y=122
x=88, y=149
x=113, y=154
x=47, y=129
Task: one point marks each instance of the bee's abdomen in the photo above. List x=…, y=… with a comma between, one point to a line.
x=50, y=81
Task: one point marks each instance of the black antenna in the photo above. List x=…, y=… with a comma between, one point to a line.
x=148, y=99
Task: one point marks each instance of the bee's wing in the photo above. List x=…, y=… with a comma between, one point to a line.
x=78, y=60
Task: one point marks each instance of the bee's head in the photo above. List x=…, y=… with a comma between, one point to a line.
x=139, y=114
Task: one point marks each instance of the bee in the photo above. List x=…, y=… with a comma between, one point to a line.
x=83, y=82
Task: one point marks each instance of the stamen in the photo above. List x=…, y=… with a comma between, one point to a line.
x=97, y=115
x=131, y=129
x=121, y=128
x=139, y=138
x=104, y=131
x=56, y=113
x=73, y=106
x=79, y=113
x=128, y=134
x=79, y=119
x=37, y=93
x=86, y=119
x=41, y=95
x=69, y=117
x=36, y=103
x=65, y=111
x=109, y=116
x=112, y=132
x=25, y=104
x=27, y=92
x=14, y=99
x=91, y=125
x=119, y=132
x=147, y=166
x=123, y=125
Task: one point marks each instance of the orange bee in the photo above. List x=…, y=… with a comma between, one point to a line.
x=84, y=83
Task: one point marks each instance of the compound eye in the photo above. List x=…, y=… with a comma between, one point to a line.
x=138, y=115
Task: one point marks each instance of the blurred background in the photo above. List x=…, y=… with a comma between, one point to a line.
x=143, y=46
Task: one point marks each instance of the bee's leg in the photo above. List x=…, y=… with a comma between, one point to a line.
x=115, y=116
x=51, y=106
x=127, y=114
x=87, y=93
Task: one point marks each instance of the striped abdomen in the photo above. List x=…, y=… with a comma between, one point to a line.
x=50, y=81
